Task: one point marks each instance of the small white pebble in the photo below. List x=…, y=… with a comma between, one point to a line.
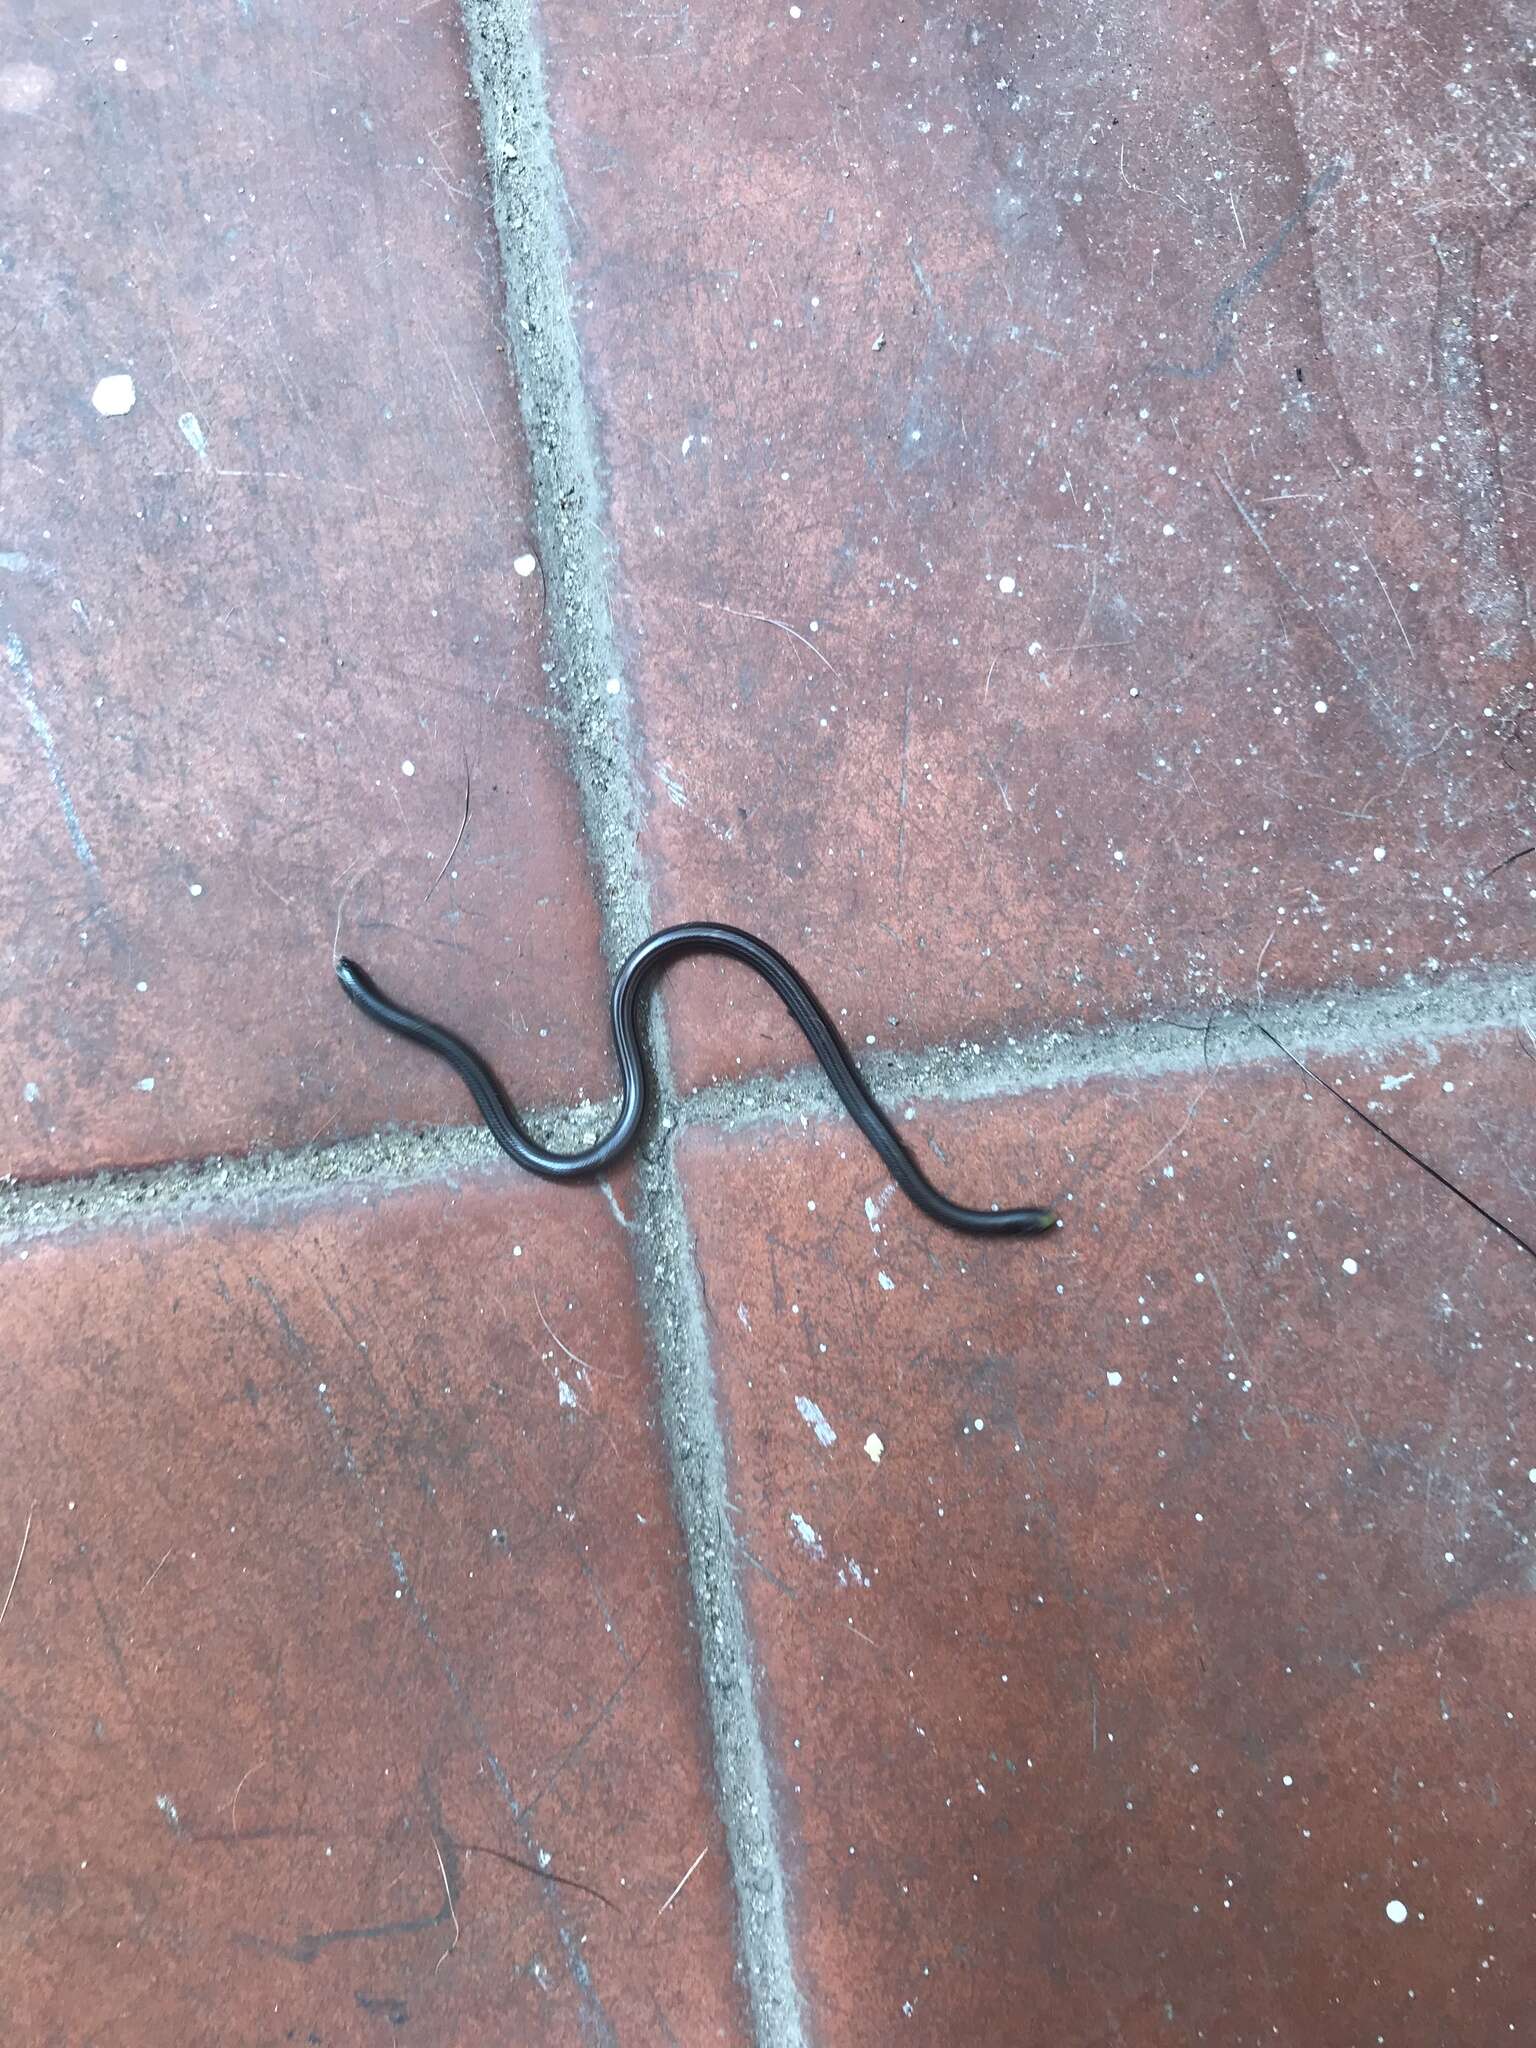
x=1168, y=532
x=1447, y=1087
x=874, y=1450
x=1397, y=1912
x=1006, y=585
x=1320, y=706
x=147, y=1085
x=119, y=63
x=525, y=565
x=614, y=686
x=1379, y=853
x=194, y=888
x=1113, y=1378
x=407, y=767
x=1350, y=1266
x=114, y=395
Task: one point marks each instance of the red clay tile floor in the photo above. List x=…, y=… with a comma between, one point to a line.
x=1031, y=512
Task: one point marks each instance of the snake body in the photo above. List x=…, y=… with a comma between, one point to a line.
x=649, y=959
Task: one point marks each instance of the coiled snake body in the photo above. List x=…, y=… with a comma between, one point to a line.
x=649, y=959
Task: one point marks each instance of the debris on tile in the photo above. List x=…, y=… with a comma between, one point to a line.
x=826, y=1435
x=114, y=395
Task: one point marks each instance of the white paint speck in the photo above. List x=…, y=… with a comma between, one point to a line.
x=525, y=565
x=1390, y=1082
x=119, y=63
x=1350, y=1266
x=887, y=1284
x=614, y=686
x=1114, y=1379
x=114, y=395
x=407, y=767
x=1007, y=585
x=1397, y=1912
x=192, y=433
x=567, y=1395
x=874, y=1450
x=807, y=1535
x=147, y=1085
x=1169, y=532
x=30, y=1091
x=826, y=1435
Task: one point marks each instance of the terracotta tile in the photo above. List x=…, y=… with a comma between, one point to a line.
x=341, y=1559
x=260, y=624
x=1180, y=1626
x=1066, y=494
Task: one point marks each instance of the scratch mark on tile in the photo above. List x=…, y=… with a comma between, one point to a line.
x=25, y=692
x=811, y=1413
x=1490, y=579
x=1231, y=300
x=599, y=2025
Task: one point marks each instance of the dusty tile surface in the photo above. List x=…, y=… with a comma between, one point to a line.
x=1164, y=1678
x=341, y=1563
x=260, y=626
x=1068, y=486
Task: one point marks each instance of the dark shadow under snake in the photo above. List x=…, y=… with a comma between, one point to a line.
x=649, y=959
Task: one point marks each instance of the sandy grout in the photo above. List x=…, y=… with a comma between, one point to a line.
x=398, y=1160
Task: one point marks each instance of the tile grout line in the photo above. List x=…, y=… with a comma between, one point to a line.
x=1348, y=1027
x=1337, y=1026
x=506, y=70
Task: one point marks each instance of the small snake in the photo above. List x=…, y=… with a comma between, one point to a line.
x=648, y=959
